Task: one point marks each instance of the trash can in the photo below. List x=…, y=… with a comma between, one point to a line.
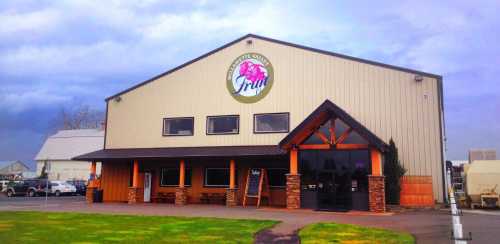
x=97, y=195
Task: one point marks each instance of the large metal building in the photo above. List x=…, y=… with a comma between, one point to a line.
x=318, y=122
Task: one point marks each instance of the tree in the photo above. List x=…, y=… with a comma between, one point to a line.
x=393, y=171
x=79, y=117
x=43, y=173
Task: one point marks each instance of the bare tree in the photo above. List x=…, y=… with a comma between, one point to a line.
x=79, y=117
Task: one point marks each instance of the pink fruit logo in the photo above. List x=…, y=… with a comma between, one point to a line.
x=250, y=77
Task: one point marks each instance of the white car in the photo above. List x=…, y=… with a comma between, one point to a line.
x=59, y=188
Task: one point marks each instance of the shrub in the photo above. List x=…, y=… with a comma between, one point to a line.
x=393, y=171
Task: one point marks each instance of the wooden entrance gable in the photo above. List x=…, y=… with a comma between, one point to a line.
x=320, y=131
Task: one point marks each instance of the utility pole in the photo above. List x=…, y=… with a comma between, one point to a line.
x=47, y=170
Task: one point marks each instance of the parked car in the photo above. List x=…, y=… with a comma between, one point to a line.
x=59, y=188
x=81, y=186
x=29, y=188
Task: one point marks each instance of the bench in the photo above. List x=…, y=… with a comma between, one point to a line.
x=164, y=197
x=213, y=198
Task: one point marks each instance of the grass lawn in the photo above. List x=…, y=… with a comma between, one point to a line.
x=42, y=227
x=344, y=233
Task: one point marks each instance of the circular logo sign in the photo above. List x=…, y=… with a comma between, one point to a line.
x=250, y=77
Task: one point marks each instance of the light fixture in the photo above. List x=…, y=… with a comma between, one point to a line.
x=419, y=78
x=249, y=42
x=117, y=99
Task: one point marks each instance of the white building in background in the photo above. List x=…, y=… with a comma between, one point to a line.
x=58, y=150
x=11, y=169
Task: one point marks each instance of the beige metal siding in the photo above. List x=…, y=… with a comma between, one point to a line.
x=388, y=102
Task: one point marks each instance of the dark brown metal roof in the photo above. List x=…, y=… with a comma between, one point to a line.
x=181, y=152
x=282, y=43
x=321, y=114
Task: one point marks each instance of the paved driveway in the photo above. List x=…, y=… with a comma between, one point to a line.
x=428, y=226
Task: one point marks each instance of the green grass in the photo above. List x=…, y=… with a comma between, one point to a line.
x=344, y=233
x=42, y=227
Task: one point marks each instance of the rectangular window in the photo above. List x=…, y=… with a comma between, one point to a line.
x=227, y=124
x=217, y=177
x=277, y=177
x=178, y=126
x=271, y=123
x=170, y=177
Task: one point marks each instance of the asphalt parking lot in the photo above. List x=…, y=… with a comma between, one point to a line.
x=27, y=203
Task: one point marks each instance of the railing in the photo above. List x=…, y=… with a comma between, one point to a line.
x=457, y=232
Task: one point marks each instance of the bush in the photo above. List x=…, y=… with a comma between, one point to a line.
x=393, y=171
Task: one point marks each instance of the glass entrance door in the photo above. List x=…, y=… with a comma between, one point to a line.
x=334, y=180
x=334, y=191
x=326, y=190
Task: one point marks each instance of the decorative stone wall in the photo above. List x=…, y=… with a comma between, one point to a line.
x=293, y=191
x=89, y=194
x=231, y=197
x=133, y=195
x=376, y=189
x=181, y=196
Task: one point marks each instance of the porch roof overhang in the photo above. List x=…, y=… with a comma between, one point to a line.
x=328, y=110
x=181, y=152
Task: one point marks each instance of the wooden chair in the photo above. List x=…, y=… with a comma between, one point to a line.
x=205, y=198
x=219, y=198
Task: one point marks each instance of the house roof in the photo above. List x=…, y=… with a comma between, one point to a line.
x=181, y=152
x=5, y=163
x=338, y=55
x=66, y=144
x=320, y=115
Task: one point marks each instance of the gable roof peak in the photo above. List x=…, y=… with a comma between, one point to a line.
x=251, y=35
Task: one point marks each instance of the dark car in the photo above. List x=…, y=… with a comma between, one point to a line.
x=81, y=186
x=29, y=188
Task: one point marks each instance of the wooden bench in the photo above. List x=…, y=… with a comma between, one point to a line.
x=213, y=198
x=164, y=197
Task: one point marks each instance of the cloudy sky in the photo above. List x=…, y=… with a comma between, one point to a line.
x=58, y=53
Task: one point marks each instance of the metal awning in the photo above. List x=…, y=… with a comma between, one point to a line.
x=181, y=152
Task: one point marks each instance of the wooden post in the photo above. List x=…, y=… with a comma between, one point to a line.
x=376, y=158
x=294, y=161
x=232, y=174
x=92, y=173
x=135, y=177
x=182, y=173
x=93, y=166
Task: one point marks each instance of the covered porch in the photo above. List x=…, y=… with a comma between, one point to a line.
x=203, y=175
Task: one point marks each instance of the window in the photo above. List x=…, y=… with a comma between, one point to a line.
x=170, y=177
x=277, y=177
x=228, y=124
x=178, y=126
x=271, y=123
x=217, y=177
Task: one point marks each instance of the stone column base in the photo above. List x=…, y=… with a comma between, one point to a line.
x=376, y=190
x=231, y=197
x=89, y=194
x=133, y=195
x=180, y=196
x=292, y=191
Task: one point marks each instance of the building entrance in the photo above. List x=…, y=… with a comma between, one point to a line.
x=334, y=180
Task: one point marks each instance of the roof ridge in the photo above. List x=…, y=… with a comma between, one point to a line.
x=366, y=61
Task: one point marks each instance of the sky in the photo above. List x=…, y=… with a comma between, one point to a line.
x=56, y=54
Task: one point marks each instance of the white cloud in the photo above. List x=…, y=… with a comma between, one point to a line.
x=19, y=101
x=12, y=22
